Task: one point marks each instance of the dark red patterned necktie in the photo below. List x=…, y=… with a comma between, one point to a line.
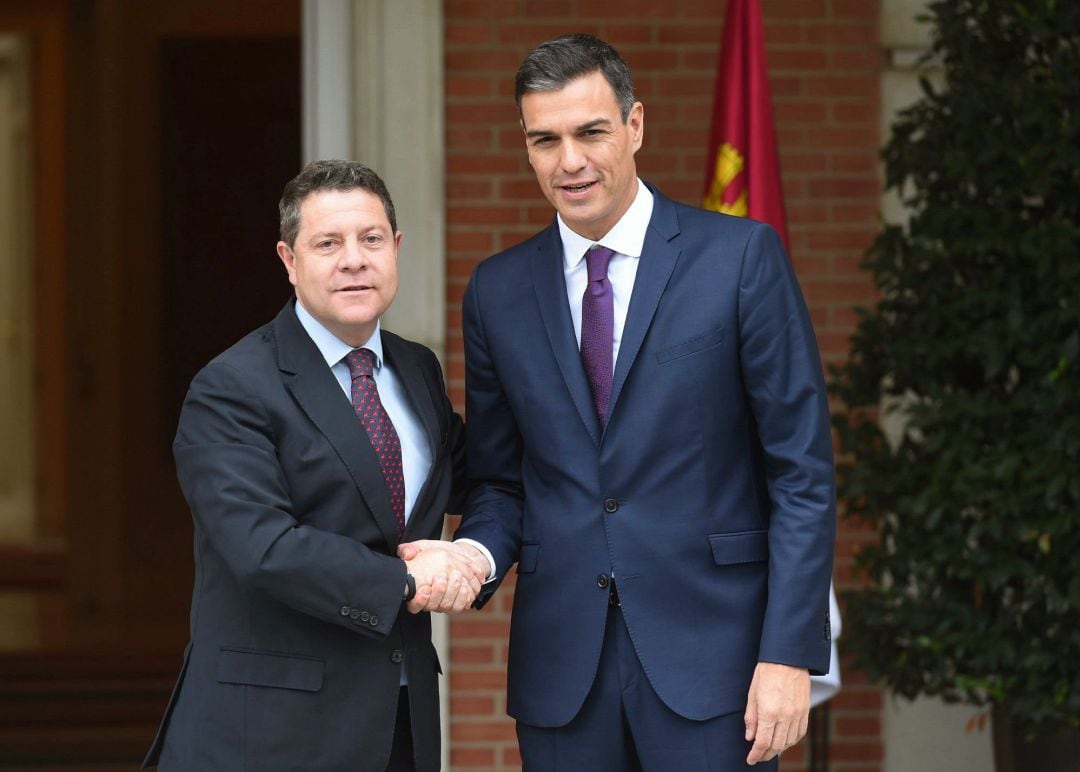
x=380, y=430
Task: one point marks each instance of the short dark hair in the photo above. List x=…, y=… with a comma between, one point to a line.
x=328, y=175
x=552, y=65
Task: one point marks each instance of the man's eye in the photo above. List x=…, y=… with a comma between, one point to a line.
x=543, y=141
x=324, y=244
x=373, y=239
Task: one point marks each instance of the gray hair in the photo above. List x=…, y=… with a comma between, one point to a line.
x=552, y=65
x=318, y=176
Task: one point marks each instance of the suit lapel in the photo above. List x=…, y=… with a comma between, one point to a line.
x=658, y=259
x=550, y=285
x=319, y=395
x=410, y=373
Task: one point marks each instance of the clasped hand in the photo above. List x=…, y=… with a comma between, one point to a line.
x=448, y=575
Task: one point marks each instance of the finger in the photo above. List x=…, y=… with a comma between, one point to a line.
x=420, y=600
x=793, y=734
x=750, y=719
x=464, y=597
x=762, y=743
x=453, y=586
x=438, y=590
x=408, y=551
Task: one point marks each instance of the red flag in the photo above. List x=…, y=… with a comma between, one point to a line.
x=743, y=175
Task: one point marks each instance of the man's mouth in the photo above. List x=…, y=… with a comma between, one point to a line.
x=354, y=288
x=578, y=188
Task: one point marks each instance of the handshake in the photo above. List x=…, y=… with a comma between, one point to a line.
x=448, y=574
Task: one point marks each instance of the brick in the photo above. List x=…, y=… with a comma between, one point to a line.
x=621, y=8
x=623, y=34
x=858, y=726
x=798, y=59
x=461, y=679
x=679, y=34
x=465, y=86
x=533, y=34
x=478, y=655
x=481, y=730
x=471, y=706
x=796, y=9
x=467, y=34
x=473, y=241
x=844, y=187
x=839, y=34
x=462, y=757
x=541, y=8
x=468, y=188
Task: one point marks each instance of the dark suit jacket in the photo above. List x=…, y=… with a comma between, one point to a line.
x=710, y=496
x=298, y=629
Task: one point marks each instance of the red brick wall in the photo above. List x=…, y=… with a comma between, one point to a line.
x=824, y=62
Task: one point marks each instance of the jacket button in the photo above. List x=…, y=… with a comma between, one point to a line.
x=610, y=505
x=374, y=620
x=345, y=611
x=354, y=615
x=396, y=657
x=602, y=581
x=364, y=616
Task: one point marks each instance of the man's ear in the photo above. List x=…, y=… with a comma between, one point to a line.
x=288, y=258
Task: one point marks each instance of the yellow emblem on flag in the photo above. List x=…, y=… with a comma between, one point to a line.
x=729, y=162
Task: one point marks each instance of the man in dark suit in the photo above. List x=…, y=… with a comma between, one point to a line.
x=649, y=429
x=308, y=451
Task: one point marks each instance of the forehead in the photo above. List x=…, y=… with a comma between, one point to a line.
x=583, y=99
x=330, y=209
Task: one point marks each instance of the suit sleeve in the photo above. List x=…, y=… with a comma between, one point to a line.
x=228, y=466
x=459, y=480
x=495, y=508
x=783, y=378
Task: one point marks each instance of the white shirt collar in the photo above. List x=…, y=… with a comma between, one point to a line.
x=627, y=236
x=333, y=348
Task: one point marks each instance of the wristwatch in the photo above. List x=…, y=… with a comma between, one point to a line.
x=410, y=587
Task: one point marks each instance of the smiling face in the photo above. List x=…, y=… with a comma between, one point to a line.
x=344, y=261
x=583, y=152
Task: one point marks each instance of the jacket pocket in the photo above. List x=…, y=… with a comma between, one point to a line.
x=744, y=547
x=268, y=668
x=691, y=346
x=530, y=555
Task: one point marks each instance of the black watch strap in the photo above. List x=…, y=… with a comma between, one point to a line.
x=410, y=582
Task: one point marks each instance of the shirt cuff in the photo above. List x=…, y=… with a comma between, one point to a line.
x=486, y=553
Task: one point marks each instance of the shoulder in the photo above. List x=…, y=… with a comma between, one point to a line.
x=399, y=347
x=517, y=257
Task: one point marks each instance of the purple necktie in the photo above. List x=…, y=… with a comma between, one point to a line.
x=598, y=329
x=380, y=430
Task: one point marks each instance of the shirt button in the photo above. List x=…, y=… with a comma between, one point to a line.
x=396, y=657
x=610, y=505
x=602, y=581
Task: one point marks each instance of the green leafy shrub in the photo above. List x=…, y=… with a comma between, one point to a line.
x=974, y=348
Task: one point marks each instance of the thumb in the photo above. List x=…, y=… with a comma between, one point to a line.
x=408, y=551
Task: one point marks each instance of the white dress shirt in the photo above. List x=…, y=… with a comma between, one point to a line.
x=626, y=239
x=416, y=450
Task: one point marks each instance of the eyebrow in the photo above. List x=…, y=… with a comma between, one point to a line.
x=583, y=127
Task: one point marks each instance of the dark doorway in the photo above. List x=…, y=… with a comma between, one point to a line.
x=230, y=120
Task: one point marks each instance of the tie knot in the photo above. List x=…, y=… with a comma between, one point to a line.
x=361, y=362
x=596, y=261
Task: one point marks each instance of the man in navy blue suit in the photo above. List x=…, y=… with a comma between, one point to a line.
x=649, y=437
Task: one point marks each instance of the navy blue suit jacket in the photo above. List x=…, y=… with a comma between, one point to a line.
x=710, y=495
x=298, y=629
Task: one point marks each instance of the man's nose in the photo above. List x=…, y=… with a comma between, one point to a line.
x=352, y=257
x=572, y=158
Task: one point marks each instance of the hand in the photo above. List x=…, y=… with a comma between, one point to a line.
x=448, y=575
x=777, y=709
